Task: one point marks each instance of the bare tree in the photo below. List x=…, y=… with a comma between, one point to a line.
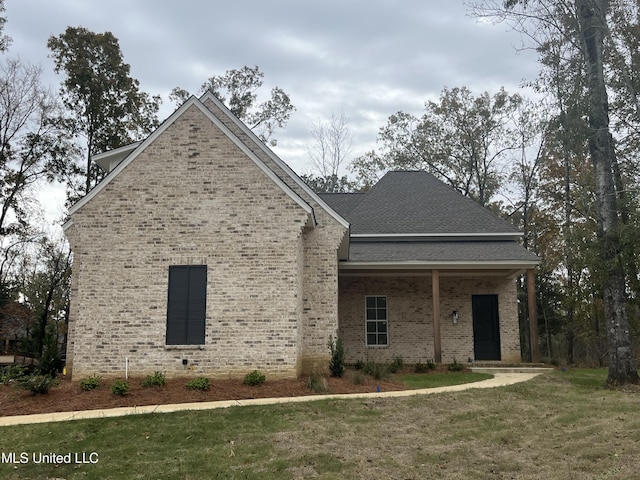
x=332, y=144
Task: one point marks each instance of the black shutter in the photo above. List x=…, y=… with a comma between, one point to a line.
x=197, y=305
x=186, y=309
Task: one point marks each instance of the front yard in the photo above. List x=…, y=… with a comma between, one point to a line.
x=561, y=425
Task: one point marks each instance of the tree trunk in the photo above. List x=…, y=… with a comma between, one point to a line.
x=592, y=18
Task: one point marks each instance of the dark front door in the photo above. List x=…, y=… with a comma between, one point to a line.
x=486, y=327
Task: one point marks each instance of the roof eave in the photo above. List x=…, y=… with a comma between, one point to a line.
x=445, y=265
x=436, y=236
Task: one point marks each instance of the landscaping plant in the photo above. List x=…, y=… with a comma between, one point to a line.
x=89, y=383
x=38, y=384
x=200, y=383
x=336, y=366
x=254, y=378
x=120, y=388
x=155, y=380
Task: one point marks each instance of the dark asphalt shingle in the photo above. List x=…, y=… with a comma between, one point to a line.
x=414, y=202
x=449, y=251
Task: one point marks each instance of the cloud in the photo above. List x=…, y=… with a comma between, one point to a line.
x=368, y=59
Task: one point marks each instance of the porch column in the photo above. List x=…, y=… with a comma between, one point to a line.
x=533, y=315
x=435, y=286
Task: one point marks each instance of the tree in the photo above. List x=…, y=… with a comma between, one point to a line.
x=460, y=139
x=238, y=90
x=46, y=293
x=33, y=146
x=592, y=16
x=5, y=40
x=332, y=144
x=104, y=102
x=581, y=31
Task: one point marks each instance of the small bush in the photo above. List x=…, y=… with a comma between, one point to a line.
x=38, y=384
x=358, y=378
x=336, y=366
x=317, y=383
x=155, y=380
x=424, y=367
x=89, y=383
x=359, y=365
x=254, y=378
x=12, y=372
x=455, y=366
x=120, y=388
x=396, y=364
x=420, y=368
x=200, y=383
x=376, y=370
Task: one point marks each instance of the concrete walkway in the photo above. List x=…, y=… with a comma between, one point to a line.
x=499, y=380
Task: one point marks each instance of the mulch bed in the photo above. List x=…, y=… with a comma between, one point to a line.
x=67, y=396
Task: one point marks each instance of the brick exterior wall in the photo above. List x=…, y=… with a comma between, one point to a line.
x=410, y=319
x=192, y=197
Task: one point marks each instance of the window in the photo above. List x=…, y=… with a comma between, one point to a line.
x=186, y=309
x=376, y=320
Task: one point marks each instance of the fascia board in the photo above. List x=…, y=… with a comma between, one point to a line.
x=286, y=168
x=436, y=236
x=455, y=265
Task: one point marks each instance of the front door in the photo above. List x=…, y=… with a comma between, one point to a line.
x=486, y=327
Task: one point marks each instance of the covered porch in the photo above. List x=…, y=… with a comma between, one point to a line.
x=423, y=311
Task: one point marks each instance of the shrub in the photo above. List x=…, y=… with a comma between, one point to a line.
x=38, y=384
x=358, y=378
x=376, y=370
x=89, y=383
x=455, y=366
x=396, y=364
x=254, y=378
x=424, y=367
x=336, y=366
x=420, y=368
x=120, y=387
x=12, y=372
x=359, y=365
x=200, y=383
x=155, y=380
x=317, y=383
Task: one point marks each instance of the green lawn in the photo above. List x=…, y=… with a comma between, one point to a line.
x=432, y=380
x=561, y=425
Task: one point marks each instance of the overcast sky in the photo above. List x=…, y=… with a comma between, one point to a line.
x=366, y=58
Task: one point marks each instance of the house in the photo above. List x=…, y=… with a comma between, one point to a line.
x=201, y=252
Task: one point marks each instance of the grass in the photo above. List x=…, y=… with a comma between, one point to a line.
x=561, y=425
x=432, y=380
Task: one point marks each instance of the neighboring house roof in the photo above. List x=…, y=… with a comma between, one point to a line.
x=412, y=219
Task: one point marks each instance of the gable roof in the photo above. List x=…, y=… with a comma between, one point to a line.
x=129, y=153
x=259, y=147
x=406, y=203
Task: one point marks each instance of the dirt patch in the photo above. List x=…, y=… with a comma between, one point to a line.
x=67, y=396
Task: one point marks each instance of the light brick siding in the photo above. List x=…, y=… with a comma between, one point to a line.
x=192, y=197
x=410, y=319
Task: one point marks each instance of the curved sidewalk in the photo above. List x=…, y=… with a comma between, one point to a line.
x=499, y=380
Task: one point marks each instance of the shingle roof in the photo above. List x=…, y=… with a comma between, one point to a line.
x=414, y=217
x=415, y=202
x=461, y=251
x=343, y=203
